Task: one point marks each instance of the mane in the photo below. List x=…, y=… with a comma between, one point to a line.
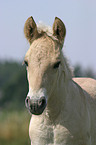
x=68, y=70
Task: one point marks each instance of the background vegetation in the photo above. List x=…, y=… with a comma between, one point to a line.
x=14, y=118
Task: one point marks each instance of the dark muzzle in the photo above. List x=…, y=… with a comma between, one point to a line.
x=36, y=107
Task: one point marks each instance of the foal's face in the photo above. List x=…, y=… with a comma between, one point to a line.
x=42, y=61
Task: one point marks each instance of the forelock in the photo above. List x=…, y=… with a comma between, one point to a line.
x=43, y=28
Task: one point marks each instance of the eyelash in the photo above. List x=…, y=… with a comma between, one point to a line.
x=25, y=62
x=56, y=65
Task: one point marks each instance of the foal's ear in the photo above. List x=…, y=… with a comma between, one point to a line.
x=59, y=30
x=30, y=29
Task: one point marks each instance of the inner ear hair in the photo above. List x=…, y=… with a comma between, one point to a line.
x=59, y=29
x=30, y=29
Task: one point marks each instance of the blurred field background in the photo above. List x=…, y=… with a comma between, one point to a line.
x=14, y=117
x=14, y=128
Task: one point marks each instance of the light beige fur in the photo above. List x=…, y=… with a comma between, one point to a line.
x=70, y=115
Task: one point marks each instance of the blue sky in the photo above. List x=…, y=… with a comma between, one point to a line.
x=79, y=17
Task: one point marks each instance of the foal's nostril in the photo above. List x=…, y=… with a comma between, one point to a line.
x=42, y=102
x=27, y=100
x=36, y=106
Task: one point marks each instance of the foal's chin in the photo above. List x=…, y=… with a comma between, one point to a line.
x=36, y=112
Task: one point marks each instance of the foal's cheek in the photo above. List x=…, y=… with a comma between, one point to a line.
x=50, y=83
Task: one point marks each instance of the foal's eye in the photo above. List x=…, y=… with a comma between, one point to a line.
x=25, y=62
x=56, y=65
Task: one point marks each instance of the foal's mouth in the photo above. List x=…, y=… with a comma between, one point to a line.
x=36, y=107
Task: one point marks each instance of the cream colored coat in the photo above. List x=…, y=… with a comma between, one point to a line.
x=70, y=115
x=73, y=122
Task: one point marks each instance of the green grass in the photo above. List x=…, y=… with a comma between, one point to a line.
x=14, y=128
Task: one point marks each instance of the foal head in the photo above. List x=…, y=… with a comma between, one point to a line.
x=42, y=62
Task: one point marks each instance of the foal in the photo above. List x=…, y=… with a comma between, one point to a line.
x=62, y=112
